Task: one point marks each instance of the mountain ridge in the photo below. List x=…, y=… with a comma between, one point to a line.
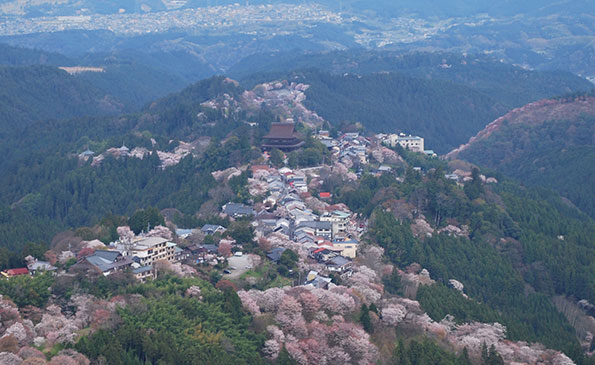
x=537, y=112
x=548, y=143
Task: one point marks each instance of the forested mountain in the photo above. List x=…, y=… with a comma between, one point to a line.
x=510, y=243
x=548, y=143
x=35, y=93
x=123, y=125
x=44, y=181
x=179, y=61
x=441, y=112
x=132, y=83
x=512, y=246
x=16, y=56
x=440, y=96
x=129, y=81
x=510, y=85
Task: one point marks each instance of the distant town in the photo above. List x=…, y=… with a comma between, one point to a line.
x=246, y=19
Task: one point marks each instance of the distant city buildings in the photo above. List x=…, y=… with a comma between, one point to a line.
x=254, y=17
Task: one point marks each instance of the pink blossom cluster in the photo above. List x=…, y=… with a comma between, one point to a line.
x=341, y=342
x=12, y=325
x=474, y=335
x=194, y=292
x=53, y=328
x=365, y=283
x=125, y=234
x=161, y=231
x=56, y=328
x=312, y=342
x=393, y=314
x=31, y=356
x=183, y=271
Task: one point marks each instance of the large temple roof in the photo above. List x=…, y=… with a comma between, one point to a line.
x=282, y=136
x=281, y=130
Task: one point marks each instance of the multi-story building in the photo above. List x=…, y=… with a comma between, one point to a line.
x=315, y=228
x=339, y=221
x=151, y=249
x=408, y=142
x=348, y=248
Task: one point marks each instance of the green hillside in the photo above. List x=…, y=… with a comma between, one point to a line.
x=553, y=153
x=33, y=93
x=444, y=113
x=510, y=85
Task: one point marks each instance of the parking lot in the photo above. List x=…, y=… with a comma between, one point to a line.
x=237, y=265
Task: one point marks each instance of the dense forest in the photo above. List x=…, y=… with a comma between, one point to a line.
x=509, y=85
x=554, y=153
x=441, y=96
x=171, y=327
x=35, y=93
x=440, y=111
x=513, y=243
x=44, y=182
x=128, y=82
x=17, y=56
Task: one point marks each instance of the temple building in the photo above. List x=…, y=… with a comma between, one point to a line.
x=282, y=136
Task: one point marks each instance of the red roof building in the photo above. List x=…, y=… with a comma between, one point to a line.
x=255, y=168
x=325, y=195
x=15, y=272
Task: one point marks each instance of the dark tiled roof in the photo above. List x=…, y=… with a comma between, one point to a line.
x=316, y=225
x=210, y=248
x=237, y=209
x=107, y=255
x=275, y=253
x=338, y=261
x=142, y=269
x=281, y=130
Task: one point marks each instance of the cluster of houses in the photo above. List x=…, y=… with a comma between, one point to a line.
x=136, y=256
x=166, y=158
x=356, y=148
x=329, y=233
x=350, y=146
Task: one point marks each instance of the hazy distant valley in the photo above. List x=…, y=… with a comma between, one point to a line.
x=538, y=36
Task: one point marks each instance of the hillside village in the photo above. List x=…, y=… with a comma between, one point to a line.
x=196, y=182
x=292, y=229
x=299, y=240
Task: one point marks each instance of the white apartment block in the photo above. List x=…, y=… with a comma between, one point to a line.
x=339, y=221
x=151, y=249
x=408, y=142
